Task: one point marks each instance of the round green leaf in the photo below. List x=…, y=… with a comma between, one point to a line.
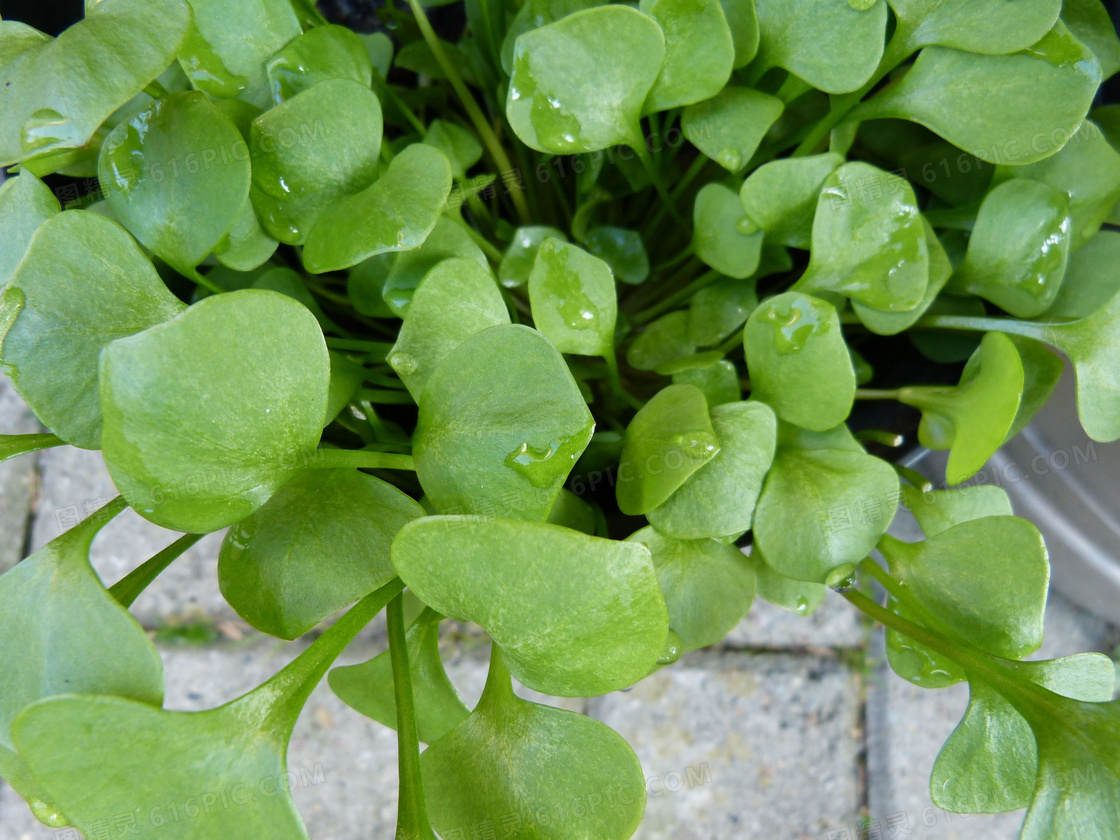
x=250, y=368
x=320, y=543
x=798, y=596
x=699, y=52
x=518, y=259
x=940, y=510
x=455, y=300
x=501, y=425
x=717, y=233
x=742, y=20
x=1018, y=249
x=798, y=361
x=621, y=249
x=395, y=214
x=869, y=241
x=708, y=586
x=317, y=147
x=177, y=176
x=245, y=245
x=460, y=146
x=82, y=284
x=716, y=311
x=534, y=14
x=978, y=26
x=664, y=340
x=669, y=439
x=729, y=127
x=830, y=44
x=719, y=382
x=719, y=498
x=323, y=53
x=1014, y=109
x=448, y=240
x=1090, y=279
x=25, y=203
x=781, y=196
x=1091, y=23
x=575, y=615
x=573, y=298
x=573, y=90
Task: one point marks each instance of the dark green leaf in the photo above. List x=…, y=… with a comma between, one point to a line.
x=781, y=196
x=719, y=382
x=698, y=52
x=716, y=311
x=572, y=294
x=322, y=53
x=621, y=249
x=517, y=261
x=729, y=127
x=664, y=340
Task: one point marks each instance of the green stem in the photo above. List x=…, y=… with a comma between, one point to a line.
x=485, y=132
x=128, y=589
x=360, y=346
x=884, y=580
x=879, y=436
x=735, y=340
x=156, y=90
x=705, y=279
x=915, y=478
x=792, y=88
x=482, y=242
x=361, y=459
x=412, y=812
x=655, y=177
x=193, y=274
x=981, y=323
x=611, y=358
x=876, y=394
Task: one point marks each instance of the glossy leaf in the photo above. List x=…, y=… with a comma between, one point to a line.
x=1042, y=368
x=742, y=20
x=12, y=446
x=316, y=148
x=719, y=382
x=470, y=457
x=973, y=418
x=455, y=300
x=245, y=246
x=517, y=261
x=320, y=543
x=718, y=236
x=250, y=367
x=175, y=758
x=1090, y=279
x=822, y=509
x=447, y=240
x=708, y=586
x=892, y=323
x=621, y=249
x=940, y=510
x=459, y=146
x=82, y=284
x=663, y=340
x=781, y=196
x=797, y=596
x=368, y=688
x=1018, y=249
x=1013, y=109
x=572, y=294
x=55, y=93
x=481, y=771
x=718, y=499
x=177, y=176
x=869, y=241
x=534, y=14
x=669, y=439
x=318, y=55
x=1092, y=24
x=573, y=91
x=574, y=615
x=699, y=52
x=830, y=44
x=729, y=127
x=798, y=362
x=716, y=311
x=25, y=203
x=65, y=633
x=976, y=26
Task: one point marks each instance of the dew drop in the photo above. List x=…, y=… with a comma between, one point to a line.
x=532, y=462
x=44, y=128
x=673, y=649
x=746, y=226
x=842, y=578
x=404, y=363
x=729, y=159
x=802, y=605
x=862, y=5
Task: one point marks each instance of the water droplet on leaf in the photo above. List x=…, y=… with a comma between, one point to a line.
x=404, y=363
x=729, y=159
x=673, y=649
x=842, y=578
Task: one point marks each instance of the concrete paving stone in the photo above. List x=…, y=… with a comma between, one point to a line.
x=834, y=624
x=908, y=725
x=18, y=477
x=75, y=483
x=743, y=746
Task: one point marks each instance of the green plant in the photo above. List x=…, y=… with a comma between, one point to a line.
x=489, y=336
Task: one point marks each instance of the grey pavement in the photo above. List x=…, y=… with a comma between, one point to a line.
x=792, y=729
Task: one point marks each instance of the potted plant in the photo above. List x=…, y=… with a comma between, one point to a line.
x=546, y=318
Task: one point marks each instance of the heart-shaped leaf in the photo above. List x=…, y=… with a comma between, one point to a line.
x=663, y=340
x=698, y=52
x=65, y=633
x=517, y=261
x=716, y=311
x=368, y=688
x=55, y=93
x=395, y=214
x=798, y=361
x=177, y=176
x=559, y=762
x=320, y=146
x=976, y=26
x=669, y=439
x=869, y=241
x=708, y=586
x=448, y=240
x=572, y=90
x=621, y=249
x=1018, y=249
x=1015, y=108
x=574, y=615
x=719, y=382
x=319, y=54
x=573, y=297
x=722, y=236
x=971, y=419
x=320, y=543
x=228, y=48
x=25, y=203
x=178, y=763
x=940, y=510
x=455, y=300
x=470, y=456
x=249, y=367
x=831, y=44
x=82, y=284
x=822, y=508
x=719, y=498
x=729, y=127
x=781, y=196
